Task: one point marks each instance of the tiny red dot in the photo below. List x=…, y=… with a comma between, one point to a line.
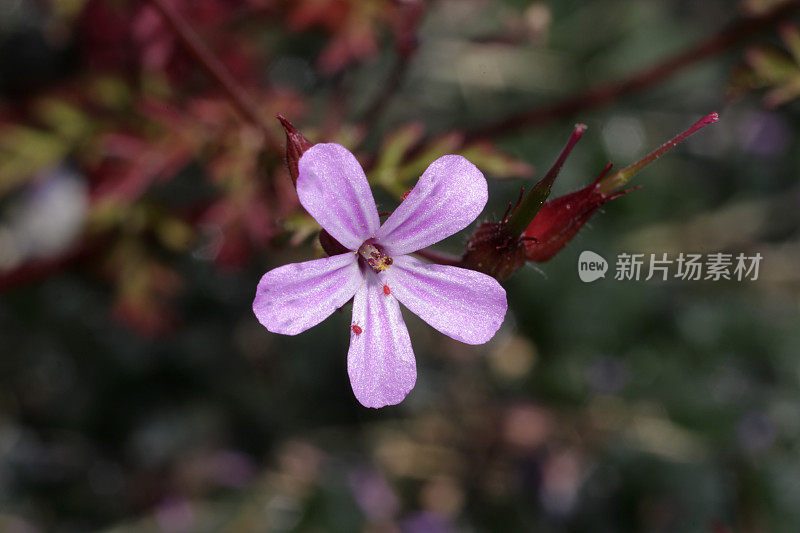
x=356, y=329
x=386, y=290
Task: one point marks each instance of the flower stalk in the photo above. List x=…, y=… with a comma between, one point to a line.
x=611, y=91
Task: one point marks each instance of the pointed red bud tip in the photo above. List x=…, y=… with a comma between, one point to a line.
x=559, y=220
x=526, y=209
x=296, y=145
x=552, y=174
x=620, y=178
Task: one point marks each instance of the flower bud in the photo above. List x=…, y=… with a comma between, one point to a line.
x=498, y=248
x=559, y=220
x=296, y=145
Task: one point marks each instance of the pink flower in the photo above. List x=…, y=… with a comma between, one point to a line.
x=377, y=271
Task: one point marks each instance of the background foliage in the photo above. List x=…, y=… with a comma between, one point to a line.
x=140, y=203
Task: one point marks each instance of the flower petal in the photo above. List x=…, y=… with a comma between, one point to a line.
x=380, y=361
x=451, y=193
x=334, y=190
x=463, y=304
x=292, y=298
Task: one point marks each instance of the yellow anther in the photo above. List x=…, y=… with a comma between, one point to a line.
x=376, y=259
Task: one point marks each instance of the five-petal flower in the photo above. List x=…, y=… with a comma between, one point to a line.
x=378, y=272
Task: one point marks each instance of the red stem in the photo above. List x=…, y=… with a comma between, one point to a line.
x=241, y=101
x=610, y=91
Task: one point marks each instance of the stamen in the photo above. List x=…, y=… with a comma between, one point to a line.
x=375, y=257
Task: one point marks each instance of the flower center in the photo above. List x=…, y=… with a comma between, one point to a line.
x=375, y=257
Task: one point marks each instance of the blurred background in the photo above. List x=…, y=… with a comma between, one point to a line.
x=143, y=192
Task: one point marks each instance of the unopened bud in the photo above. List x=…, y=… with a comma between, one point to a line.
x=559, y=220
x=296, y=145
x=498, y=248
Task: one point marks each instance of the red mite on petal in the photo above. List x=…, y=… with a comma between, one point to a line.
x=386, y=290
x=356, y=329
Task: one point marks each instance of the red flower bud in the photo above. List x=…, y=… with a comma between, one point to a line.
x=559, y=220
x=296, y=145
x=498, y=248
